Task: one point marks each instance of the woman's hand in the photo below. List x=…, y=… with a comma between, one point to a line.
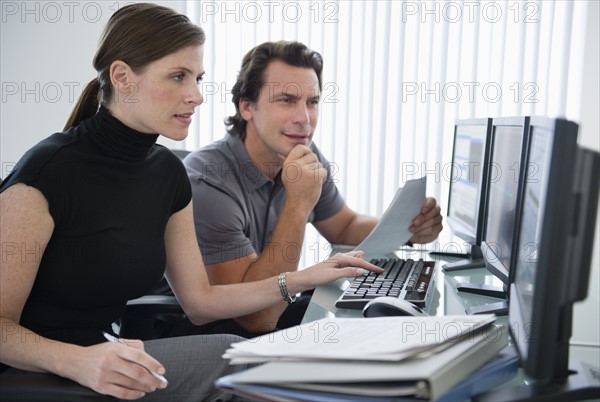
x=341, y=265
x=119, y=369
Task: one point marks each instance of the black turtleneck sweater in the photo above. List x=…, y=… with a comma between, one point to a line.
x=110, y=191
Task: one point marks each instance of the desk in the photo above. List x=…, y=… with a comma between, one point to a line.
x=446, y=301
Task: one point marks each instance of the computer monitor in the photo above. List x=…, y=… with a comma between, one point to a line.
x=467, y=188
x=552, y=265
x=508, y=143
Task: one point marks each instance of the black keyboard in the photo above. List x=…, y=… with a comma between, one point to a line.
x=406, y=279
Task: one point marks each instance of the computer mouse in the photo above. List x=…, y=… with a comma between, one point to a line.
x=387, y=306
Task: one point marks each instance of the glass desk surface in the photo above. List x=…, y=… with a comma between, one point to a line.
x=447, y=300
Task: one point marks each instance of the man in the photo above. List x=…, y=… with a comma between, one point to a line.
x=255, y=190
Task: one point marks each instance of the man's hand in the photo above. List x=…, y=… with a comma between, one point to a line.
x=303, y=175
x=428, y=224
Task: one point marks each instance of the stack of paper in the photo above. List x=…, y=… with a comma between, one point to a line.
x=375, y=339
x=376, y=358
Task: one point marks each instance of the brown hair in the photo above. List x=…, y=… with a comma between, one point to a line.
x=137, y=34
x=250, y=79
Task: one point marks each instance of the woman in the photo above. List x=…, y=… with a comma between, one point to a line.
x=105, y=210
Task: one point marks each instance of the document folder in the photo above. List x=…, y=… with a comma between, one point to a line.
x=425, y=377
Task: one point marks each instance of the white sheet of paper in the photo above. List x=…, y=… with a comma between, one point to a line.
x=376, y=339
x=392, y=230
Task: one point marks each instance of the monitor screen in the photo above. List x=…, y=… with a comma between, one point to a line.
x=500, y=198
x=557, y=217
x=551, y=270
x=469, y=168
x=538, y=277
x=532, y=212
x=505, y=171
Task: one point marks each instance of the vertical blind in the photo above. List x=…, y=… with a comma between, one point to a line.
x=397, y=74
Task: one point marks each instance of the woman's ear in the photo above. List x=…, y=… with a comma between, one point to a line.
x=121, y=77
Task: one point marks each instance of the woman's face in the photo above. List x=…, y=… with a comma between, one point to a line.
x=162, y=97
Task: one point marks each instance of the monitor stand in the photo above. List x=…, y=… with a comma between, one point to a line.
x=582, y=384
x=480, y=289
x=499, y=308
x=475, y=260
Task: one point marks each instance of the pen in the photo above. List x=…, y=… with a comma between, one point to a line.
x=111, y=338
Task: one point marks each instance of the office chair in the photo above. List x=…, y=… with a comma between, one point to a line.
x=19, y=386
x=141, y=315
x=137, y=323
x=181, y=153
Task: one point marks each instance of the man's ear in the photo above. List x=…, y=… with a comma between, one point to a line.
x=246, y=109
x=121, y=77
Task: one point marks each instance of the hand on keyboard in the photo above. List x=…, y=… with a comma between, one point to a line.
x=338, y=266
x=406, y=279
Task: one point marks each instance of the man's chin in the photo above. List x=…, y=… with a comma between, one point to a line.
x=305, y=143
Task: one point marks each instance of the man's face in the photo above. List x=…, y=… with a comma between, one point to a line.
x=285, y=113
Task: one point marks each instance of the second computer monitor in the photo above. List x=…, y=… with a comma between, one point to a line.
x=507, y=159
x=507, y=145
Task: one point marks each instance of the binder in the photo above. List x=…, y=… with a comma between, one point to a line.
x=426, y=378
x=499, y=370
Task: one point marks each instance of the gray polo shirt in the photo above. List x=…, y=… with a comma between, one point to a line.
x=236, y=207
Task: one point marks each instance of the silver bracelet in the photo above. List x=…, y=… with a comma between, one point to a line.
x=285, y=293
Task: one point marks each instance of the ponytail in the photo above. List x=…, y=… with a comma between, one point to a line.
x=128, y=36
x=87, y=104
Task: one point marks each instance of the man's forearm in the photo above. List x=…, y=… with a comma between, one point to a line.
x=282, y=252
x=357, y=230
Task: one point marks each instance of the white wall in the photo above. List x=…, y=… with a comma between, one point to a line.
x=46, y=55
x=47, y=49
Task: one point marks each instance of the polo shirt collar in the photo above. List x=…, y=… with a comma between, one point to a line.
x=252, y=177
